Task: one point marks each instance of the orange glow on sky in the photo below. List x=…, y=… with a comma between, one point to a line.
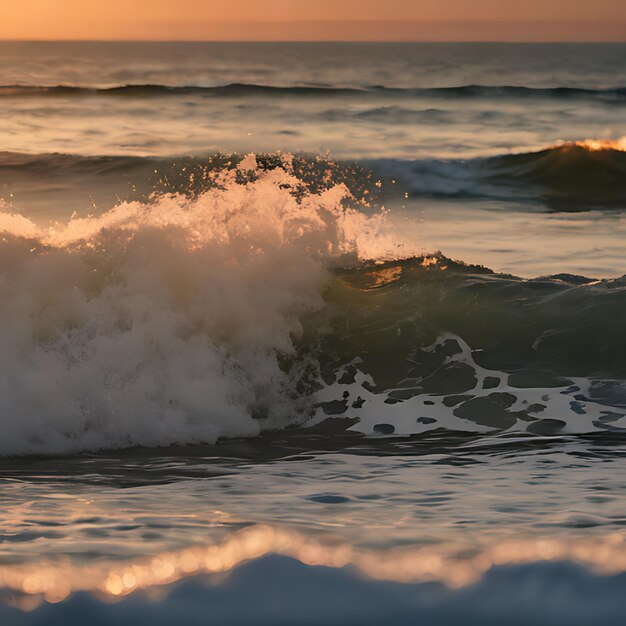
x=319, y=19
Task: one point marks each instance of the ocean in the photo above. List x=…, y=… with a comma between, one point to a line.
x=312, y=333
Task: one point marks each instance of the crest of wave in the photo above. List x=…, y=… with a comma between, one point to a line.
x=166, y=322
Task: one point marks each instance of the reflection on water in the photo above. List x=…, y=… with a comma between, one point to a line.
x=453, y=564
x=409, y=511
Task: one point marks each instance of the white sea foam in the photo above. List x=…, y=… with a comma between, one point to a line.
x=562, y=406
x=164, y=322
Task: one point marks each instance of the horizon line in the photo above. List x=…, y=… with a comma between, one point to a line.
x=322, y=41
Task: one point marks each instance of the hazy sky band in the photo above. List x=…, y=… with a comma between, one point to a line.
x=391, y=20
x=531, y=31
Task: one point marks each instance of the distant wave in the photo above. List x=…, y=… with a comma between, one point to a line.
x=569, y=177
x=73, y=164
x=239, y=89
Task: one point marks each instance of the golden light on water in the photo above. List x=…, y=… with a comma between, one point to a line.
x=598, y=145
x=451, y=564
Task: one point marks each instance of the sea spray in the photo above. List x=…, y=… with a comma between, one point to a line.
x=165, y=322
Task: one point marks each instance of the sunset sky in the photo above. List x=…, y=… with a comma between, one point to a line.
x=314, y=19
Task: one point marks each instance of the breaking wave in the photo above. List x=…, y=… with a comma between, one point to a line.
x=166, y=322
x=272, y=299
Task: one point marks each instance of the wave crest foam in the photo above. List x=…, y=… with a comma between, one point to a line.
x=168, y=321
